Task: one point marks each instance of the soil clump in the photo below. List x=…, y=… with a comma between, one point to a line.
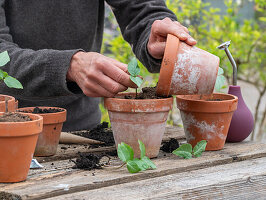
x=89, y=161
x=14, y=117
x=101, y=133
x=147, y=93
x=170, y=146
x=9, y=196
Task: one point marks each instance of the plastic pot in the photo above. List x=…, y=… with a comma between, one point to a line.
x=52, y=126
x=207, y=117
x=17, y=145
x=186, y=69
x=139, y=119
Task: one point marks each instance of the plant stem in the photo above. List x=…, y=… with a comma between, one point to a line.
x=136, y=93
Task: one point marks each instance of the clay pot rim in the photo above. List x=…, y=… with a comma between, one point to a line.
x=137, y=105
x=192, y=105
x=34, y=117
x=48, y=118
x=166, y=72
x=10, y=98
x=186, y=97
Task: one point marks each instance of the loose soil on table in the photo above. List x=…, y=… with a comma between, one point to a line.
x=38, y=110
x=170, y=146
x=14, y=117
x=101, y=133
x=8, y=196
x=88, y=161
x=147, y=93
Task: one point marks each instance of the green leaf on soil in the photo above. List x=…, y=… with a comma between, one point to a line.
x=141, y=164
x=132, y=166
x=137, y=80
x=133, y=67
x=149, y=162
x=3, y=74
x=125, y=152
x=4, y=58
x=185, y=151
x=199, y=148
x=12, y=82
x=142, y=149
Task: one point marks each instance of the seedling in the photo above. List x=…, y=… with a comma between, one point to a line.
x=134, y=70
x=186, y=151
x=10, y=81
x=134, y=165
x=220, y=80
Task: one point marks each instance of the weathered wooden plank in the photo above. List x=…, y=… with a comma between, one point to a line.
x=66, y=151
x=241, y=180
x=46, y=184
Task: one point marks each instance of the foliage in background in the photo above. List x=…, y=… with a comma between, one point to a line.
x=210, y=27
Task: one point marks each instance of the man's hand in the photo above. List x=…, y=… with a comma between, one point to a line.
x=98, y=75
x=159, y=31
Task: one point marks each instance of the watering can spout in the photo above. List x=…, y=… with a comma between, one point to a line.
x=224, y=46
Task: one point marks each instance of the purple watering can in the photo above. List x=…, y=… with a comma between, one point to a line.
x=242, y=122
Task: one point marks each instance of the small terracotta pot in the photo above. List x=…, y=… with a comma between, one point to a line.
x=52, y=126
x=186, y=69
x=135, y=119
x=205, y=119
x=10, y=101
x=17, y=144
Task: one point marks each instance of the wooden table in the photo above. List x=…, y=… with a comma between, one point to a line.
x=236, y=172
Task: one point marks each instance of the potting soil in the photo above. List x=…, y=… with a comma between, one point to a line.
x=87, y=161
x=170, y=146
x=14, y=117
x=147, y=93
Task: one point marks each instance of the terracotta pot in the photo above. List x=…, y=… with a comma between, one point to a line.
x=186, y=69
x=52, y=126
x=133, y=119
x=10, y=101
x=17, y=144
x=207, y=120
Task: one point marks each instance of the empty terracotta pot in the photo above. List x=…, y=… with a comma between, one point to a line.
x=17, y=145
x=11, y=103
x=139, y=119
x=52, y=126
x=186, y=69
x=207, y=117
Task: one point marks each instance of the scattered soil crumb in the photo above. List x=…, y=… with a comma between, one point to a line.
x=147, y=93
x=14, y=117
x=100, y=133
x=9, y=196
x=89, y=161
x=38, y=110
x=170, y=146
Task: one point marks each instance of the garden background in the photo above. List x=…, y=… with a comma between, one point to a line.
x=212, y=22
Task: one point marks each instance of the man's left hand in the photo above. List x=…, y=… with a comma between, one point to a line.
x=159, y=31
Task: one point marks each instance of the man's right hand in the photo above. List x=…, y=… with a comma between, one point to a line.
x=98, y=75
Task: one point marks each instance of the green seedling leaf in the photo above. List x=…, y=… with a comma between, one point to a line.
x=137, y=80
x=149, y=162
x=142, y=149
x=4, y=58
x=12, y=82
x=185, y=151
x=125, y=152
x=132, y=166
x=141, y=164
x=199, y=148
x=133, y=67
x=3, y=74
x=220, y=80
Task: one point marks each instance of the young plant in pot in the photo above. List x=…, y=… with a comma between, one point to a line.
x=7, y=103
x=134, y=119
x=18, y=135
x=207, y=117
x=53, y=119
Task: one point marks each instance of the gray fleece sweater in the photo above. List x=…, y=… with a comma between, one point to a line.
x=41, y=37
